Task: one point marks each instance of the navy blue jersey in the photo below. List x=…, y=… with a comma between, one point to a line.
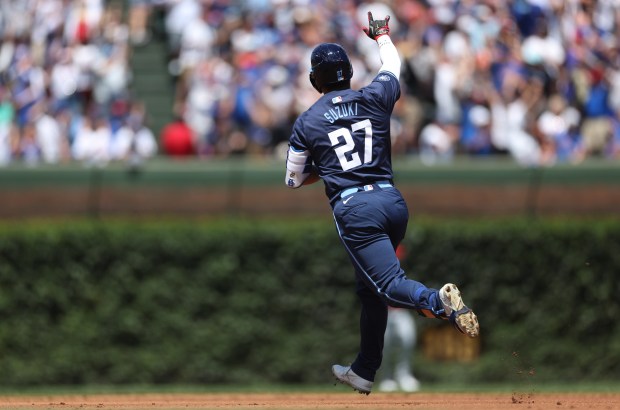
x=347, y=133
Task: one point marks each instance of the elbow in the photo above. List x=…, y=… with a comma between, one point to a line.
x=397, y=68
x=393, y=67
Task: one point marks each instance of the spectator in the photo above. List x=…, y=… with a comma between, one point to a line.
x=612, y=149
x=92, y=141
x=7, y=114
x=437, y=143
x=28, y=84
x=139, y=13
x=134, y=141
x=27, y=149
x=177, y=139
x=475, y=136
x=558, y=126
x=111, y=72
x=64, y=80
x=83, y=20
x=197, y=39
x=276, y=94
x=597, y=126
x=453, y=70
x=181, y=13
x=509, y=113
x=49, y=137
x=202, y=93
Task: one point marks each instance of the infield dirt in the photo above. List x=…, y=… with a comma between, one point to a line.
x=322, y=401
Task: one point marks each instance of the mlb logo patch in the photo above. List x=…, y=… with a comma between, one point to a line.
x=336, y=100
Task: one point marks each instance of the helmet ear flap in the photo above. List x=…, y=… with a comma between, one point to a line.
x=313, y=81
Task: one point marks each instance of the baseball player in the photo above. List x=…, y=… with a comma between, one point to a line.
x=344, y=139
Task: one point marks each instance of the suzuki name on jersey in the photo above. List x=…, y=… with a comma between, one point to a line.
x=341, y=111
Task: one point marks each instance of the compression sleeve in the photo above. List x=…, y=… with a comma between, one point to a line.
x=389, y=56
x=298, y=167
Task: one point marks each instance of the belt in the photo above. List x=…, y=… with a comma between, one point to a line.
x=377, y=185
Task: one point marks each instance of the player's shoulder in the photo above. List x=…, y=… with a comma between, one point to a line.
x=385, y=78
x=385, y=85
x=305, y=120
x=306, y=116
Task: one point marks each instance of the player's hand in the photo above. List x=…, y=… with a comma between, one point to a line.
x=377, y=28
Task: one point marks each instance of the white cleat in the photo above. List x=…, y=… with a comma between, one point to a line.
x=345, y=375
x=462, y=317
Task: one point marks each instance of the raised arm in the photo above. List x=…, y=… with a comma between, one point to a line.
x=379, y=30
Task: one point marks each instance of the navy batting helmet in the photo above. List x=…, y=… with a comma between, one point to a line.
x=330, y=65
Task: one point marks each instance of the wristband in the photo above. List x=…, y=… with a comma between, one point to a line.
x=383, y=40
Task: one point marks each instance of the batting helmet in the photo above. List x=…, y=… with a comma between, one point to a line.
x=330, y=65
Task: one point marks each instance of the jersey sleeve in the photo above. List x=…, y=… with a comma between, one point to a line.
x=384, y=90
x=297, y=139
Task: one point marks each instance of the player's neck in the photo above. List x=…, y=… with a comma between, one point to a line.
x=345, y=85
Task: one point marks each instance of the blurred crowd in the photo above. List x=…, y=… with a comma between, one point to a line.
x=64, y=84
x=536, y=80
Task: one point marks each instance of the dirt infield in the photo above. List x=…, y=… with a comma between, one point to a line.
x=323, y=401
